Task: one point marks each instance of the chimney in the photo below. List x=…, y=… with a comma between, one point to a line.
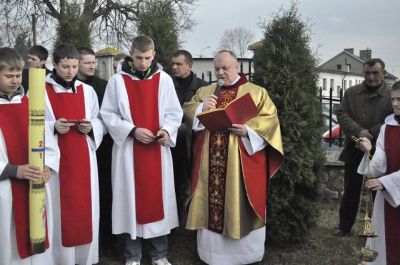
x=350, y=50
x=365, y=54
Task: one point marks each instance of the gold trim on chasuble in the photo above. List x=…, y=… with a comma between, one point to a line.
x=239, y=217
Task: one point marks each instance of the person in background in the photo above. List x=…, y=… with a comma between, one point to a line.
x=37, y=56
x=86, y=74
x=72, y=112
x=384, y=168
x=117, y=60
x=15, y=172
x=143, y=114
x=230, y=176
x=186, y=84
x=360, y=114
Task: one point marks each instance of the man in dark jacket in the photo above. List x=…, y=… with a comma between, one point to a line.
x=86, y=74
x=360, y=114
x=186, y=84
x=37, y=56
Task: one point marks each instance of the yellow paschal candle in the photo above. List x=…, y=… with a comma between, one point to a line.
x=37, y=192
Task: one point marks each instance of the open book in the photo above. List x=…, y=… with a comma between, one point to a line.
x=238, y=111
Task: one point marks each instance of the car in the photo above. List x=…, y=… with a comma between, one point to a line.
x=332, y=138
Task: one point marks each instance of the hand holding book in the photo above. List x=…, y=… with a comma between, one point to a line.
x=237, y=112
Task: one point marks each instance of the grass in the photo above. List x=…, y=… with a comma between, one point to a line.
x=320, y=247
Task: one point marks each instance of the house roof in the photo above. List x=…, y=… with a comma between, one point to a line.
x=343, y=52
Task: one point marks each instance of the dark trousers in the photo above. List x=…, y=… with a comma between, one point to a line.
x=133, y=247
x=351, y=197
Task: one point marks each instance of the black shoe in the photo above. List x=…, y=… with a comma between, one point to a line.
x=340, y=233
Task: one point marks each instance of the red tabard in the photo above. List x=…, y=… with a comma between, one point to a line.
x=14, y=120
x=392, y=215
x=143, y=101
x=75, y=189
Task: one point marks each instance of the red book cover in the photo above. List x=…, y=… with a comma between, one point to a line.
x=238, y=111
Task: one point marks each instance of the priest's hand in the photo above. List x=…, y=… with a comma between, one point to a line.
x=62, y=126
x=162, y=137
x=144, y=135
x=85, y=126
x=239, y=130
x=29, y=172
x=210, y=102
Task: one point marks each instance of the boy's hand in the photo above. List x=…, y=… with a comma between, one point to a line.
x=364, y=144
x=85, y=126
x=162, y=137
x=144, y=135
x=29, y=172
x=62, y=126
x=46, y=174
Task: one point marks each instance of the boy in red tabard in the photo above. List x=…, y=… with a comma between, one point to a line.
x=143, y=114
x=15, y=172
x=72, y=111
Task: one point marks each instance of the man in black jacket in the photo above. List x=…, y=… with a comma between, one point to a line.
x=186, y=84
x=86, y=74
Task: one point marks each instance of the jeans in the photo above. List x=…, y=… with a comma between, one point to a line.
x=133, y=248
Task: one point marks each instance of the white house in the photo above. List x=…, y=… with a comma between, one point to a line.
x=345, y=70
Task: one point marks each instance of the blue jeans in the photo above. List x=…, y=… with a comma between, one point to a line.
x=133, y=248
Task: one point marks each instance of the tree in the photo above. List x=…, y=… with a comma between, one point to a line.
x=80, y=22
x=285, y=65
x=236, y=40
x=22, y=44
x=158, y=20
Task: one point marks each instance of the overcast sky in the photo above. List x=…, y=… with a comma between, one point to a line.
x=335, y=25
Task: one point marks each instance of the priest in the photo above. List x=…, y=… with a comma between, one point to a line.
x=230, y=173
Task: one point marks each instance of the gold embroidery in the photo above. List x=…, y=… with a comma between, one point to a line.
x=218, y=156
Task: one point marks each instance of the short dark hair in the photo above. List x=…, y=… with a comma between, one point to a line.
x=85, y=51
x=39, y=51
x=65, y=51
x=396, y=86
x=186, y=54
x=142, y=43
x=11, y=59
x=374, y=61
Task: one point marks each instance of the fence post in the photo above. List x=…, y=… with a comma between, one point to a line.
x=330, y=115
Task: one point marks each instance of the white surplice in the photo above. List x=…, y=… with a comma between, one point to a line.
x=8, y=250
x=115, y=112
x=391, y=182
x=84, y=254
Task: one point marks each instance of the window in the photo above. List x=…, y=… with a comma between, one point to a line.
x=332, y=83
x=339, y=67
x=324, y=84
x=350, y=83
x=345, y=84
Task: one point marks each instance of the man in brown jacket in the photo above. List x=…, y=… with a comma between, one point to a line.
x=360, y=114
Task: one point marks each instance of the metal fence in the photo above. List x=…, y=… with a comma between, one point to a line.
x=329, y=105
